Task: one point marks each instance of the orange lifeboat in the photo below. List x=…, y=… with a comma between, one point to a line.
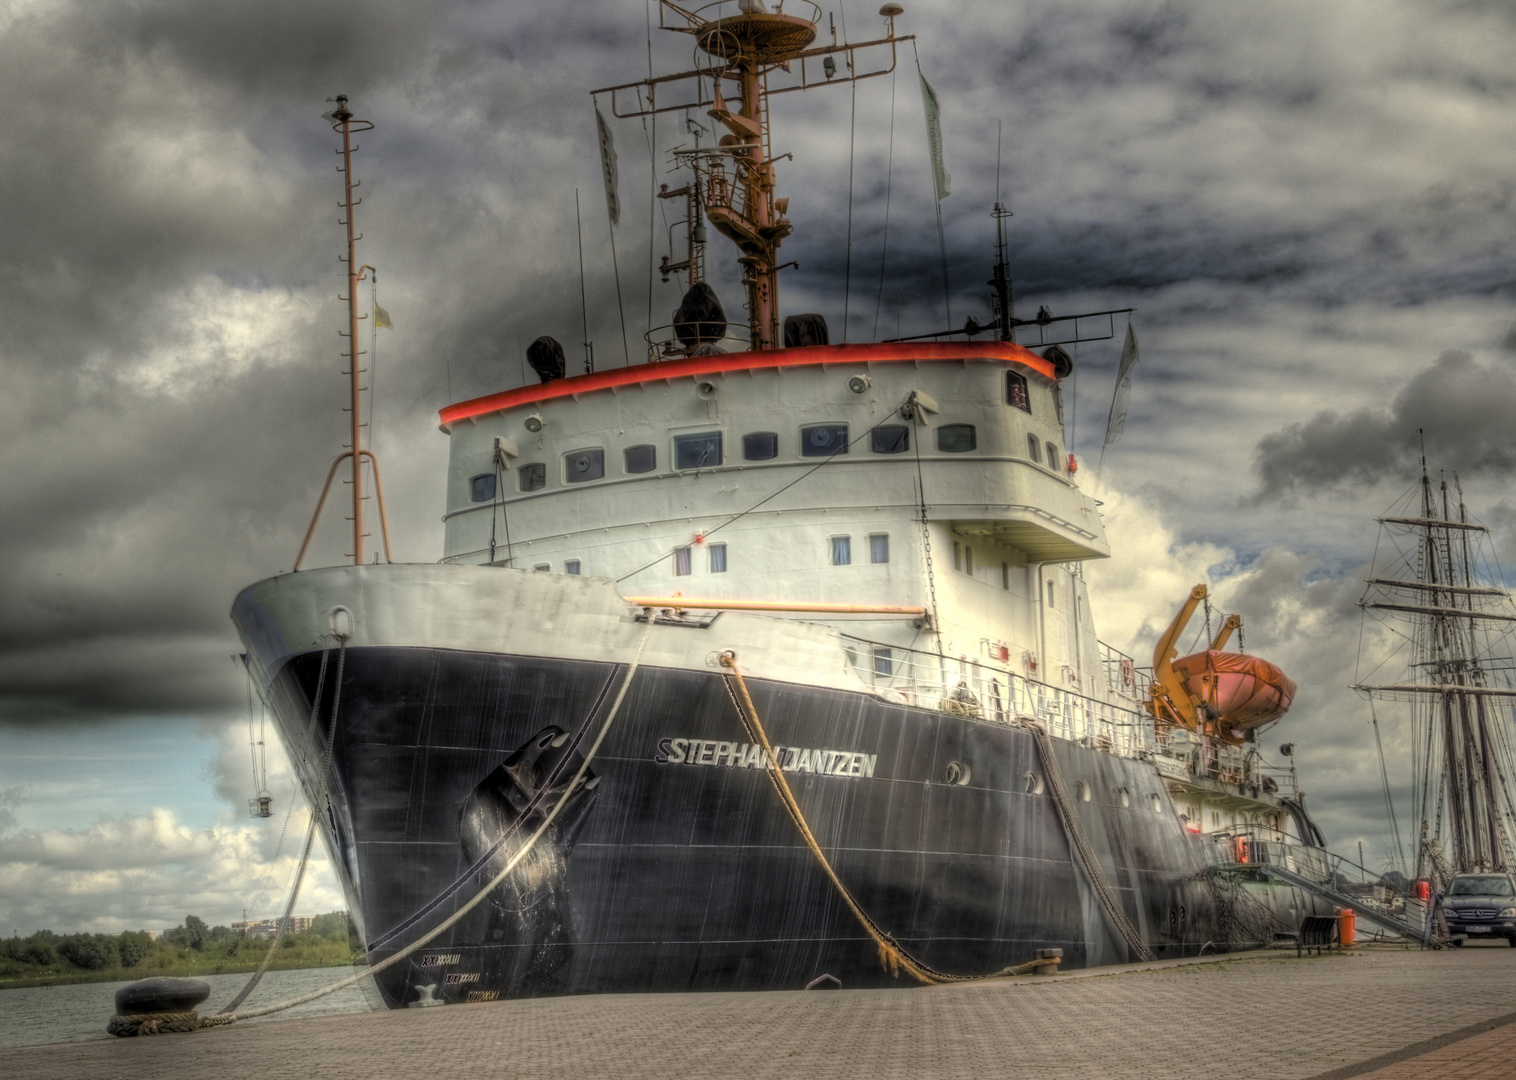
x=1241, y=692
x=1217, y=693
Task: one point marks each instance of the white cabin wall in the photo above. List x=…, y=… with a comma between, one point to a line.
x=781, y=551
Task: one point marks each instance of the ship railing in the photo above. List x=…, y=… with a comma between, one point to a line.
x=967, y=686
x=663, y=342
x=1240, y=766
x=1122, y=675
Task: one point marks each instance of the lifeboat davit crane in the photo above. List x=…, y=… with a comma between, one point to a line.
x=1222, y=694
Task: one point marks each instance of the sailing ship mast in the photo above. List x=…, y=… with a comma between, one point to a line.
x=1465, y=766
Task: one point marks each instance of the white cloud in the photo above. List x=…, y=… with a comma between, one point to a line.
x=148, y=872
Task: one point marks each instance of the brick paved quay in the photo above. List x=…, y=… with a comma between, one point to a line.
x=1384, y=1014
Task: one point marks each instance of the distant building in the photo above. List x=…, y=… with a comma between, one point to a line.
x=267, y=928
x=153, y=934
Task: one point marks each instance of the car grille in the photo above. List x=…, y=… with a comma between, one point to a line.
x=1477, y=913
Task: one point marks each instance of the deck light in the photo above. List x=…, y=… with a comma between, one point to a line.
x=858, y=383
x=534, y=422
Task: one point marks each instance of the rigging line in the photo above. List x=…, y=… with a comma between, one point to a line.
x=652, y=168
x=480, y=863
x=852, y=142
x=926, y=547
x=888, y=178
x=1384, y=775
x=584, y=306
x=494, y=882
x=621, y=307
x=773, y=495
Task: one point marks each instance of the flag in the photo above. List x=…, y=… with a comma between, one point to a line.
x=608, y=167
x=382, y=318
x=940, y=178
x=1117, y=421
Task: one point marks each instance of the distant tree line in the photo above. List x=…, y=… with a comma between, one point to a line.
x=192, y=946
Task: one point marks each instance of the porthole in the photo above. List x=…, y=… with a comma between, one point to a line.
x=1033, y=783
x=760, y=446
x=957, y=774
x=823, y=440
x=640, y=459
x=1155, y=803
x=582, y=465
x=532, y=477
x=481, y=488
x=1016, y=392
x=890, y=439
x=1082, y=790
x=701, y=451
x=1123, y=796
x=956, y=438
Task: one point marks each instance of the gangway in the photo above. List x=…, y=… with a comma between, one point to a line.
x=1342, y=899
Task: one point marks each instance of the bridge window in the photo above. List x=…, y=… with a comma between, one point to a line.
x=640, y=459
x=543, y=568
x=682, y=562
x=1016, y=392
x=718, y=558
x=956, y=438
x=571, y=566
x=532, y=477
x=884, y=662
x=879, y=547
x=760, y=446
x=582, y=465
x=481, y=488
x=1055, y=459
x=823, y=440
x=891, y=439
x=1034, y=449
x=842, y=550
x=701, y=451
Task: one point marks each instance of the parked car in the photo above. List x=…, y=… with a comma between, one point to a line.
x=1480, y=904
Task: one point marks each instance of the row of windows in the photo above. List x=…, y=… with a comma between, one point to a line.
x=705, y=450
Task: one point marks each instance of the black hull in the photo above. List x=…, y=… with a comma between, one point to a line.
x=685, y=877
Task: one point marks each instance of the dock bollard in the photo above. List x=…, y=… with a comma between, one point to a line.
x=1055, y=955
x=158, y=1006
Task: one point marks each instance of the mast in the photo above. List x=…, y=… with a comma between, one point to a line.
x=735, y=181
x=1463, y=747
x=342, y=120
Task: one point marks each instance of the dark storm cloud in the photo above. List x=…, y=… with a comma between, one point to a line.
x=169, y=392
x=1463, y=407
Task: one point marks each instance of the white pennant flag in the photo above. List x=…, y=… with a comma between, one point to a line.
x=940, y=178
x=1117, y=421
x=608, y=167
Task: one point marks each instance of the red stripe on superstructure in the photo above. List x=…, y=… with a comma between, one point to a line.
x=903, y=351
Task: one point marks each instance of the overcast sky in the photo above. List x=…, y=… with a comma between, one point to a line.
x=1309, y=205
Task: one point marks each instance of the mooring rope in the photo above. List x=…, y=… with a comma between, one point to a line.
x=1080, y=843
x=892, y=954
x=281, y=927
x=136, y=1025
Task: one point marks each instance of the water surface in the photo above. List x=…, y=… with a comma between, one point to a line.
x=74, y=1013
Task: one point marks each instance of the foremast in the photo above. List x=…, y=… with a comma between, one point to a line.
x=743, y=50
x=1465, y=766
